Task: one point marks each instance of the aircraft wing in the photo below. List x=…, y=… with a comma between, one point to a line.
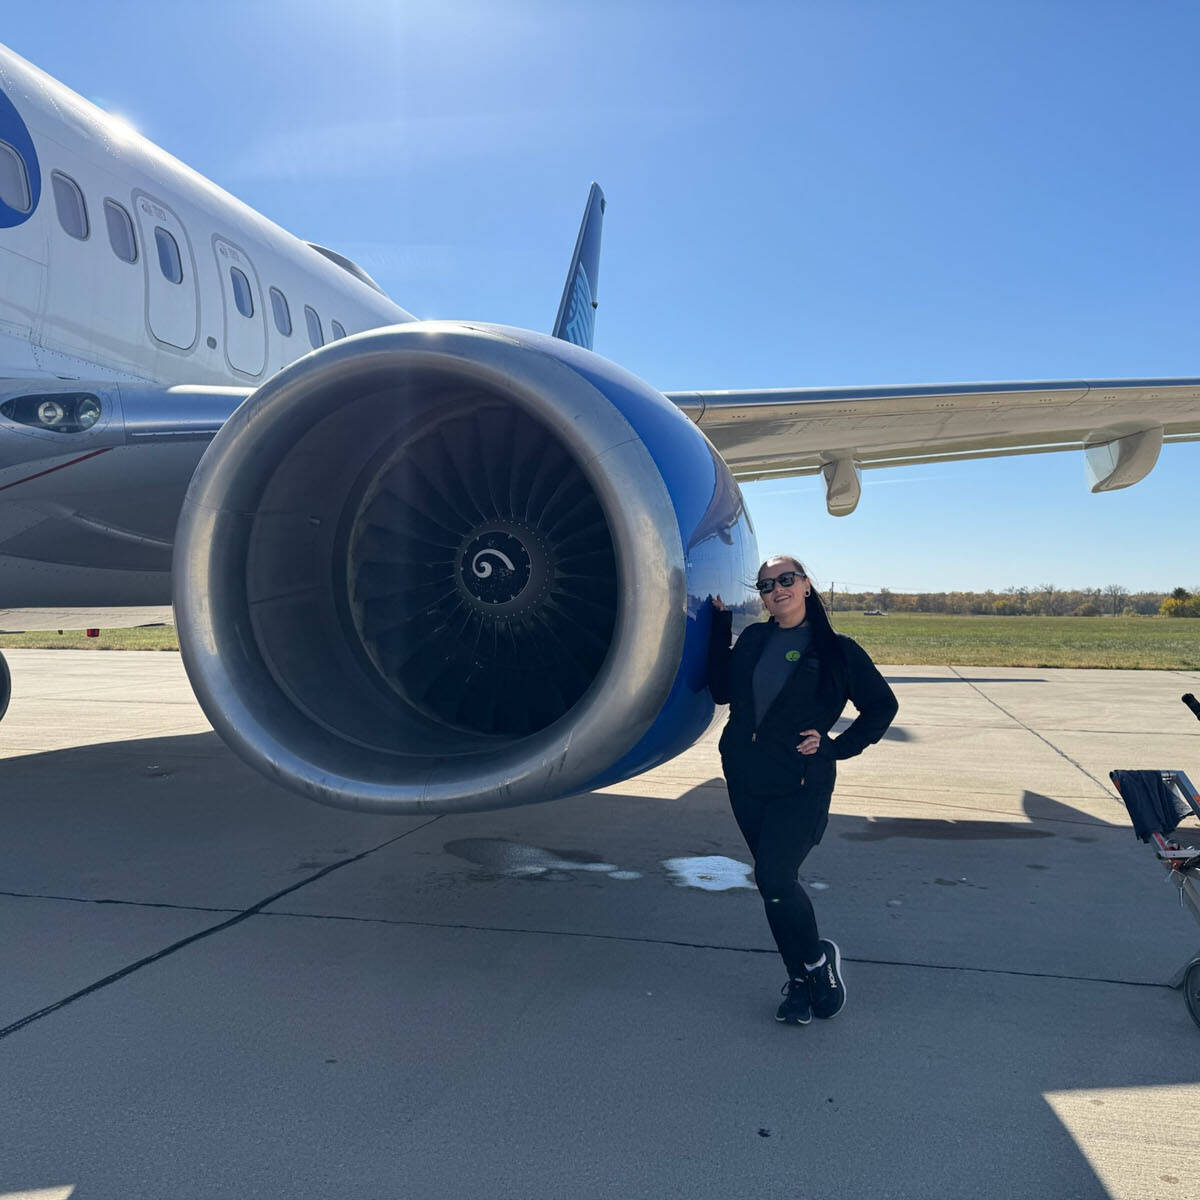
x=1120, y=424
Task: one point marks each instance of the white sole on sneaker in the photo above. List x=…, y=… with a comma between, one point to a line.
x=785, y=1021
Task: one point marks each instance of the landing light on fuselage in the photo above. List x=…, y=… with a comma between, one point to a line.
x=50, y=412
x=71, y=412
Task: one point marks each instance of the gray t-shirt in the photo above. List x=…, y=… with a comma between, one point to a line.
x=783, y=650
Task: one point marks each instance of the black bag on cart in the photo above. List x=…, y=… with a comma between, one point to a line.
x=1153, y=806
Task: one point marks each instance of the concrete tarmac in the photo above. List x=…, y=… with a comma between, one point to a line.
x=211, y=988
x=23, y=620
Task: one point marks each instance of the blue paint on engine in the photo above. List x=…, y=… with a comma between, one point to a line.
x=720, y=552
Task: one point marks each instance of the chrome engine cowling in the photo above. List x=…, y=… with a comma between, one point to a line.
x=443, y=567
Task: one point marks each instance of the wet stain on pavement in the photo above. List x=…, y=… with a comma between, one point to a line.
x=519, y=860
x=710, y=873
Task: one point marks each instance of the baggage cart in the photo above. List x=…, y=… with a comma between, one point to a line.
x=1172, y=790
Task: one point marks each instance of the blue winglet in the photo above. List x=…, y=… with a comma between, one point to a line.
x=576, y=320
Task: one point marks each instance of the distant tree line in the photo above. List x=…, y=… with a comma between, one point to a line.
x=1181, y=603
x=1045, y=600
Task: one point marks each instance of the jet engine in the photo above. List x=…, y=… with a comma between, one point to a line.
x=446, y=567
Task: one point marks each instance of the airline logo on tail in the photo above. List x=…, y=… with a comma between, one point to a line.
x=581, y=316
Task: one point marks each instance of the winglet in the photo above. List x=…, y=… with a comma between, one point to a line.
x=576, y=320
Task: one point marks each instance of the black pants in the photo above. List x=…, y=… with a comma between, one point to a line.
x=780, y=831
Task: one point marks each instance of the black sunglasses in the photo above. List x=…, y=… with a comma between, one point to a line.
x=786, y=579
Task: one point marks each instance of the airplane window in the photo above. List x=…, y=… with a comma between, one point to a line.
x=315, y=336
x=120, y=232
x=241, y=292
x=338, y=330
x=168, y=255
x=68, y=200
x=283, y=314
x=14, y=180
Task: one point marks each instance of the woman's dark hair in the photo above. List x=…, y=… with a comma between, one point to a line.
x=825, y=639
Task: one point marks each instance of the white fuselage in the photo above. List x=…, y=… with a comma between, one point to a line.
x=72, y=307
x=125, y=274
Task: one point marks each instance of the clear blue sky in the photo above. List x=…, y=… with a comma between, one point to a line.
x=799, y=193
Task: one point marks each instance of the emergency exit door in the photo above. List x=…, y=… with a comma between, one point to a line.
x=172, y=302
x=245, y=315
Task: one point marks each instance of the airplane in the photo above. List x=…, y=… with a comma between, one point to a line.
x=416, y=566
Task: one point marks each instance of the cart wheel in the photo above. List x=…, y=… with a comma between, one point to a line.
x=1191, y=991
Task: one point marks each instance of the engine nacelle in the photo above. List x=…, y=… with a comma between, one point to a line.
x=444, y=567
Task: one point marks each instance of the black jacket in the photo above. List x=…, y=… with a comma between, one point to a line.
x=763, y=759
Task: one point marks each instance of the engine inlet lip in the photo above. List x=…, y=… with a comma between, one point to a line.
x=233, y=683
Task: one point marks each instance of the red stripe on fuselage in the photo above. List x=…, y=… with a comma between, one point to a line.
x=51, y=470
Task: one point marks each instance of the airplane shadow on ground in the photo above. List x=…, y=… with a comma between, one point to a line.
x=1038, y=808
x=163, y=787
x=123, y=821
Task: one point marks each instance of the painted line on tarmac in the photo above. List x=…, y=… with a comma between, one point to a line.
x=175, y=947
x=1062, y=753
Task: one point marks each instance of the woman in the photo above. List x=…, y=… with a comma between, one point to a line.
x=786, y=683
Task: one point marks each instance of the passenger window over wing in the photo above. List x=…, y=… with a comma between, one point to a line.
x=241, y=292
x=68, y=200
x=168, y=255
x=338, y=330
x=120, y=231
x=14, y=180
x=283, y=314
x=315, y=336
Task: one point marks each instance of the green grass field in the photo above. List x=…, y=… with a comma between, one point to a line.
x=146, y=637
x=906, y=639
x=915, y=639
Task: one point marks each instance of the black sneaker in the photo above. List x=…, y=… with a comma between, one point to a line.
x=825, y=984
x=796, y=1008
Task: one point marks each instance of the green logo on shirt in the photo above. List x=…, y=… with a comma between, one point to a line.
x=792, y=656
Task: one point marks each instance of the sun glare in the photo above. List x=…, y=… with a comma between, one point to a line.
x=51, y=1193
x=120, y=125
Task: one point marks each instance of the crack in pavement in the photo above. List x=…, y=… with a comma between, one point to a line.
x=1062, y=753
x=114, y=900
x=175, y=947
x=618, y=937
x=259, y=908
